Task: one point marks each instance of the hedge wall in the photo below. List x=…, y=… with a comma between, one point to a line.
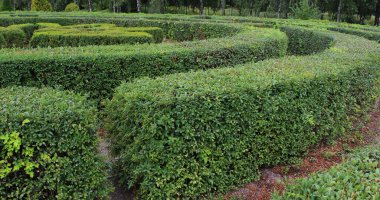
x=371, y=35
x=48, y=146
x=157, y=33
x=98, y=70
x=62, y=37
x=193, y=134
x=14, y=37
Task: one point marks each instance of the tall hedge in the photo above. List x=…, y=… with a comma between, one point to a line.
x=41, y=5
x=193, y=134
x=14, y=37
x=48, y=146
x=98, y=70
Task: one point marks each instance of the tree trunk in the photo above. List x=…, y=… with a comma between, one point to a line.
x=338, y=17
x=138, y=2
x=14, y=5
x=223, y=7
x=114, y=6
x=89, y=5
x=377, y=14
x=252, y=2
x=279, y=9
x=201, y=11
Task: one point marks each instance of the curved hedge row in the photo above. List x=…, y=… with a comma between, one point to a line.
x=48, y=146
x=98, y=70
x=192, y=134
x=371, y=35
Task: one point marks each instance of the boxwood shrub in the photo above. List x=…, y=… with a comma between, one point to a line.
x=48, y=146
x=371, y=35
x=157, y=33
x=189, y=135
x=304, y=41
x=62, y=37
x=98, y=70
x=27, y=28
x=14, y=37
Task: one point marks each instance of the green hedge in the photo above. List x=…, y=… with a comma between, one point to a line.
x=3, y=42
x=62, y=37
x=157, y=33
x=371, y=35
x=27, y=28
x=98, y=70
x=357, y=178
x=193, y=134
x=48, y=146
x=14, y=37
x=306, y=41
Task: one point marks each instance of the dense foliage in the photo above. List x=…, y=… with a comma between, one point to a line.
x=41, y=5
x=48, y=146
x=98, y=70
x=14, y=37
x=371, y=35
x=71, y=7
x=357, y=178
x=188, y=135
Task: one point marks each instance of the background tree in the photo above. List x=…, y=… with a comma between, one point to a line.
x=41, y=5
x=7, y=5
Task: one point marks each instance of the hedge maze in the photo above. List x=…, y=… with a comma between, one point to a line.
x=193, y=107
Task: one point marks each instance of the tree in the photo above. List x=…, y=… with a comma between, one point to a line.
x=138, y=2
x=223, y=7
x=7, y=5
x=338, y=17
x=41, y=5
x=377, y=14
x=305, y=11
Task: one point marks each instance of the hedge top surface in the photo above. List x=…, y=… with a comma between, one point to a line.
x=348, y=52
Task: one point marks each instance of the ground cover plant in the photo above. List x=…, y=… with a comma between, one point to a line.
x=196, y=115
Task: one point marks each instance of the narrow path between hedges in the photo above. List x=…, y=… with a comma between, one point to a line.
x=119, y=193
x=319, y=159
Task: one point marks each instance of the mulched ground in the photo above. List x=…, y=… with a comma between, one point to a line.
x=320, y=158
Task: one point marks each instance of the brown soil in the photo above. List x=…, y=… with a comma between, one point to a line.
x=320, y=158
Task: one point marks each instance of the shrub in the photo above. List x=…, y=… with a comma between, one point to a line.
x=356, y=178
x=14, y=37
x=3, y=43
x=371, y=35
x=41, y=5
x=27, y=28
x=192, y=134
x=305, y=41
x=79, y=37
x=305, y=11
x=157, y=33
x=72, y=7
x=48, y=146
x=98, y=70
x=48, y=25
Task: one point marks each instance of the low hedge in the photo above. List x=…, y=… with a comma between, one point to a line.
x=27, y=28
x=3, y=43
x=48, y=146
x=306, y=41
x=157, y=33
x=98, y=70
x=62, y=37
x=192, y=134
x=357, y=178
x=14, y=37
x=371, y=35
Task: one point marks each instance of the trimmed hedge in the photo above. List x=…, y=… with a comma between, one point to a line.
x=72, y=7
x=306, y=41
x=98, y=70
x=371, y=35
x=3, y=42
x=14, y=37
x=48, y=146
x=193, y=134
x=157, y=33
x=62, y=37
x=27, y=28
x=357, y=178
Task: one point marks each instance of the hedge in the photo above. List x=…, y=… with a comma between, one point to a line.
x=14, y=37
x=62, y=37
x=190, y=135
x=48, y=146
x=98, y=70
x=371, y=35
x=3, y=43
x=157, y=33
x=27, y=28
x=306, y=41
x=357, y=178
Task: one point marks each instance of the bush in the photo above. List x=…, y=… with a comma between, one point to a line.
x=41, y=5
x=27, y=28
x=48, y=25
x=48, y=146
x=356, y=178
x=14, y=37
x=305, y=41
x=157, y=33
x=371, y=35
x=98, y=70
x=189, y=135
x=72, y=7
x=3, y=43
x=79, y=37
